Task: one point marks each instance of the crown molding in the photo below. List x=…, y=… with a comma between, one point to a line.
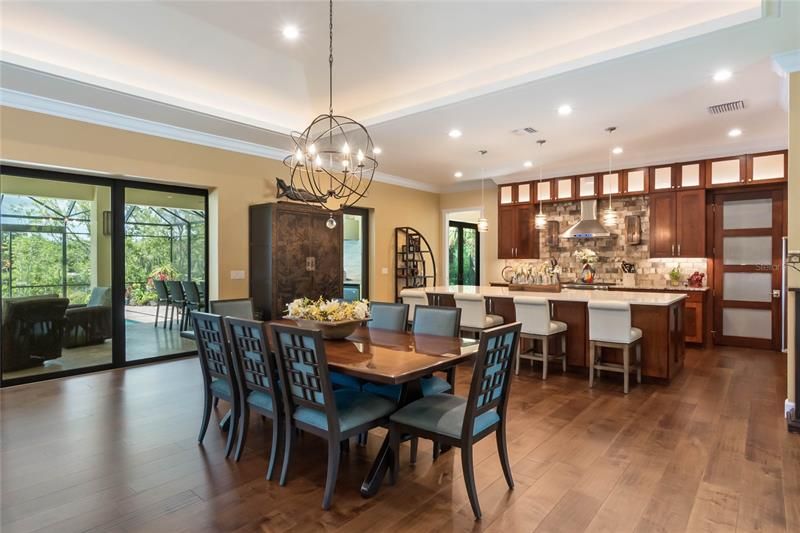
x=786, y=63
x=61, y=109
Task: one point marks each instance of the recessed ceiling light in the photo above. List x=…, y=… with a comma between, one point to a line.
x=458, y=174
x=617, y=150
x=722, y=75
x=527, y=164
x=291, y=32
x=455, y=134
x=564, y=110
x=735, y=132
x=377, y=150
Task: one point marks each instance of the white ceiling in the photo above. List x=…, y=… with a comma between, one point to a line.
x=413, y=70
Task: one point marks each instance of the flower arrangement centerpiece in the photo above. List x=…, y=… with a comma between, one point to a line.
x=336, y=319
x=587, y=258
x=522, y=273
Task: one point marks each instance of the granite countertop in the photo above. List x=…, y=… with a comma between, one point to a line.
x=620, y=287
x=659, y=298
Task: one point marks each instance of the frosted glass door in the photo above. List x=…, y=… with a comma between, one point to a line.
x=747, y=235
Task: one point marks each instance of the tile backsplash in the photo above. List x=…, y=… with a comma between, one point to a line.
x=613, y=250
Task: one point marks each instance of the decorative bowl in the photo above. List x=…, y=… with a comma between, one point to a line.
x=330, y=330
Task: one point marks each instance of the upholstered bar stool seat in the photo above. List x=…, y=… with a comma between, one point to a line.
x=534, y=315
x=473, y=313
x=610, y=327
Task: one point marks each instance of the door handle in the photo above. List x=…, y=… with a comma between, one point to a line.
x=776, y=293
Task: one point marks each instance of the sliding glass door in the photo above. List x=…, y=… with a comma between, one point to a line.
x=84, y=260
x=463, y=244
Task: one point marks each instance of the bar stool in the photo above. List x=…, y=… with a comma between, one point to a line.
x=473, y=313
x=534, y=314
x=413, y=298
x=610, y=327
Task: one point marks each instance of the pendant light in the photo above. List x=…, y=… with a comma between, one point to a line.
x=483, y=223
x=334, y=160
x=540, y=220
x=610, y=216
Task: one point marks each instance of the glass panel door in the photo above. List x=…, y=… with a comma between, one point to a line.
x=747, y=278
x=165, y=271
x=355, y=254
x=56, y=276
x=463, y=253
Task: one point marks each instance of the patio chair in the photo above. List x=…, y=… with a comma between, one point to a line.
x=177, y=300
x=163, y=299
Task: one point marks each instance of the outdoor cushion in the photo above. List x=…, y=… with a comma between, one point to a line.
x=354, y=407
x=442, y=414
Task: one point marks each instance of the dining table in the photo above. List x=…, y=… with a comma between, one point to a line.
x=393, y=358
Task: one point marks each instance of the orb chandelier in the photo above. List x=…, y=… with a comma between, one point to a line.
x=483, y=222
x=334, y=158
x=540, y=219
x=610, y=216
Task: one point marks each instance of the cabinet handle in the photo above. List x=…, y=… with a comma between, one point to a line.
x=679, y=248
x=673, y=250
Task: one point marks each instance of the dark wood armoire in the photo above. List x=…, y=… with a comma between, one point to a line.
x=293, y=254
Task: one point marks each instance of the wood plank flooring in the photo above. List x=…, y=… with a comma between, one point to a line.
x=117, y=451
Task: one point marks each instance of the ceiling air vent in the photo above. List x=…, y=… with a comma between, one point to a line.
x=524, y=131
x=727, y=107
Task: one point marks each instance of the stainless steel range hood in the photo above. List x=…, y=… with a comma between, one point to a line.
x=587, y=227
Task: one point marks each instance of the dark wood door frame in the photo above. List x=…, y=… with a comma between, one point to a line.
x=365, y=266
x=461, y=226
x=776, y=232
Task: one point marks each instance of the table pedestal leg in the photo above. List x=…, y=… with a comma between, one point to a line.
x=378, y=470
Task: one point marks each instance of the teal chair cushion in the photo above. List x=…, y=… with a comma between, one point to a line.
x=259, y=399
x=221, y=387
x=388, y=316
x=354, y=407
x=442, y=414
x=430, y=385
x=344, y=381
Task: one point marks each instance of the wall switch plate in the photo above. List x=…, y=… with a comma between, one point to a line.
x=237, y=274
x=384, y=270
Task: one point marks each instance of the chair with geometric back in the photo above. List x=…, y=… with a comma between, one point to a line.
x=216, y=364
x=461, y=422
x=177, y=302
x=256, y=378
x=237, y=308
x=162, y=298
x=313, y=406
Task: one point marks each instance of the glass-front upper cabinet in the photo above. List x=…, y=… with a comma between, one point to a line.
x=544, y=191
x=586, y=186
x=661, y=178
x=770, y=166
x=564, y=189
x=610, y=183
x=726, y=171
x=635, y=181
x=515, y=193
x=691, y=175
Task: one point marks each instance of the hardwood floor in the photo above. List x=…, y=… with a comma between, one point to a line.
x=117, y=451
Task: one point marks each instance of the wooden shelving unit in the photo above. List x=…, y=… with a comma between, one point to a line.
x=414, y=263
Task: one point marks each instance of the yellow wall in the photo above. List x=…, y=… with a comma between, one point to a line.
x=234, y=180
x=794, y=213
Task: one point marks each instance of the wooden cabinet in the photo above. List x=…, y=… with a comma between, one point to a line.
x=767, y=167
x=517, y=237
x=726, y=171
x=678, y=224
x=515, y=193
x=545, y=192
x=693, y=315
x=564, y=189
x=293, y=254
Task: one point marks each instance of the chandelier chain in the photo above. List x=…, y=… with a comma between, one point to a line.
x=330, y=56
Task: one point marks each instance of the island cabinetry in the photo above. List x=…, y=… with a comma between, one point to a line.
x=516, y=236
x=678, y=224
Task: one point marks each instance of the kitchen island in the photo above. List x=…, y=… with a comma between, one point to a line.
x=658, y=314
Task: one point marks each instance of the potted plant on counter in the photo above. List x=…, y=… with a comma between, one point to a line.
x=675, y=277
x=587, y=258
x=334, y=318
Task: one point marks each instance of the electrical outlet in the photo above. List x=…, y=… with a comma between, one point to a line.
x=237, y=274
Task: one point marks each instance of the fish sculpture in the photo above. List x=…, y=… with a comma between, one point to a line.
x=300, y=195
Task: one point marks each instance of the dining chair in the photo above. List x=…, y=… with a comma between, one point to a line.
x=413, y=298
x=192, y=293
x=461, y=422
x=219, y=381
x=177, y=302
x=388, y=316
x=610, y=327
x=162, y=298
x=533, y=313
x=256, y=379
x=312, y=405
x=236, y=308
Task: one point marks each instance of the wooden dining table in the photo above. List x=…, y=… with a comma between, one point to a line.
x=393, y=358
